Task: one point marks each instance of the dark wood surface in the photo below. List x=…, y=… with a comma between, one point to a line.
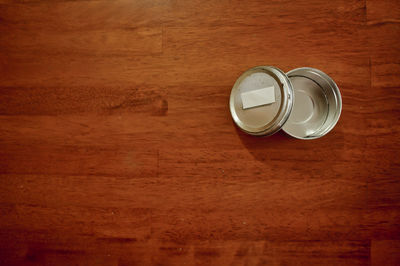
x=117, y=146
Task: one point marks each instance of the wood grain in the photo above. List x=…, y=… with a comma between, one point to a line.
x=117, y=146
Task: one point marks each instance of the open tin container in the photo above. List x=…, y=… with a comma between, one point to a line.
x=305, y=102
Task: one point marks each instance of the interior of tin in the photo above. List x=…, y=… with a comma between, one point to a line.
x=317, y=104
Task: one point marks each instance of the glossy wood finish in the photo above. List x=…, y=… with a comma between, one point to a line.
x=117, y=146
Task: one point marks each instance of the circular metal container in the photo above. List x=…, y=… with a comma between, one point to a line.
x=305, y=102
x=317, y=105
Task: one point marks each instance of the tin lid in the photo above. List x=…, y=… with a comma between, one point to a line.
x=261, y=100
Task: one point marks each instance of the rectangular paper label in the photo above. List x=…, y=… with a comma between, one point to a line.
x=258, y=97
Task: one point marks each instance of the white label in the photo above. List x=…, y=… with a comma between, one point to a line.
x=258, y=97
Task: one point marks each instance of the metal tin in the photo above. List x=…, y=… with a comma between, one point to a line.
x=305, y=102
x=317, y=105
x=266, y=119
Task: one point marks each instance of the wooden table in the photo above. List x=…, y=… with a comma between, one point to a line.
x=117, y=146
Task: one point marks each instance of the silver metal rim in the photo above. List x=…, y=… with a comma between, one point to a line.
x=307, y=72
x=286, y=105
